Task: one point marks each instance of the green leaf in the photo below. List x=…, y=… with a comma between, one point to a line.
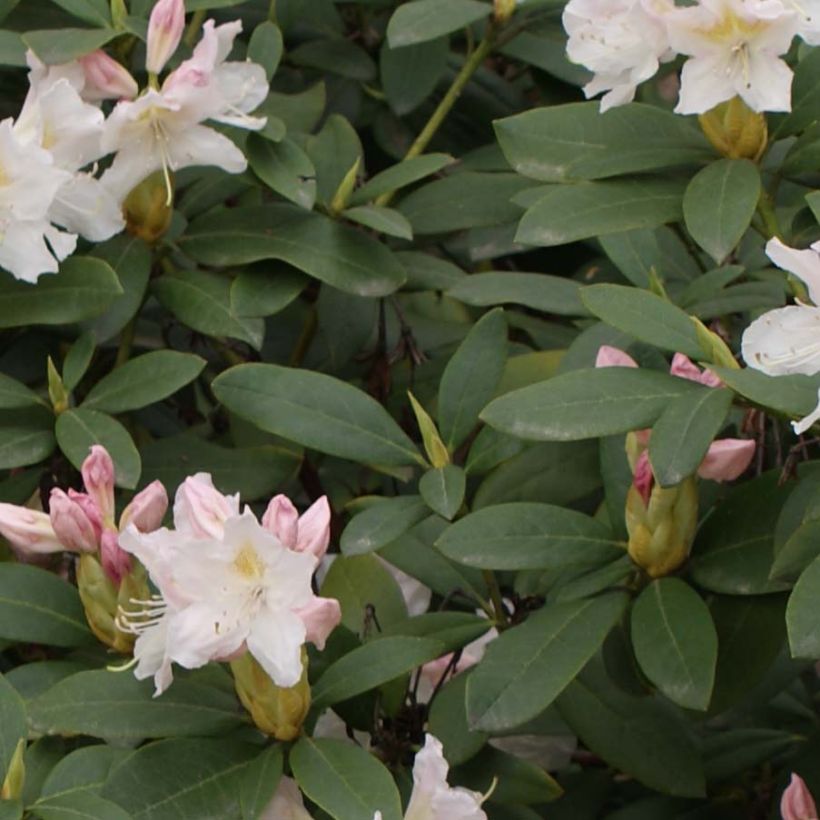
x=91, y=11
x=77, y=430
x=528, y=666
x=471, y=377
x=371, y=665
x=791, y=395
x=344, y=780
x=335, y=55
x=802, y=614
x=78, y=359
x=202, y=300
x=733, y=551
x=253, y=472
x=443, y=490
x=423, y=20
x=81, y=805
x=316, y=411
x=82, y=770
x=805, y=96
x=116, y=706
x=539, y=291
x=285, y=168
x=576, y=142
x=586, y=404
x=567, y=213
x=13, y=727
x=265, y=293
x=83, y=288
x=26, y=437
x=144, y=380
x=637, y=735
x=38, y=607
x=645, y=316
x=719, y=204
x=63, y=45
x=382, y=522
x=400, y=175
x=384, y=220
x=181, y=778
x=409, y=75
x=359, y=583
x=468, y=199
x=259, y=782
x=265, y=47
x=676, y=642
x=682, y=435
x=323, y=248
x=448, y=721
x=528, y=536
x=14, y=394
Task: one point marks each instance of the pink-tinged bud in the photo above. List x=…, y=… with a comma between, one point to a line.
x=106, y=79
x=200, y=509
x=98, y=476
x=165, y=29
x=147, y=508
x=684, y=368
x=28, y=531
x=727, y=459
x=90, y=509
x=612, y=357
x=644, y=479
x=282, y=519
x=320, y=617
x=797, y=802
x=116, y=562
x=71, y=525
x=314, y=529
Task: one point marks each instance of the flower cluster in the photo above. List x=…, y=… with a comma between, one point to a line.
x=48, y=192
x=733, y=48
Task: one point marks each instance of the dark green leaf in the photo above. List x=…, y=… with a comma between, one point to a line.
x=382, y=522
x=443, y=490
x=424, y=20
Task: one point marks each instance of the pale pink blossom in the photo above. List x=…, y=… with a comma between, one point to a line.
x=166, y=26
x=147, y=508
x=797, y=802
x=106, y=79
x=200, y=509
x=309, y=532
x=29, y=532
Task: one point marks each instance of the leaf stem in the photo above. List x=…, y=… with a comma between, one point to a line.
x=471, y=65
x=495, y=597
x=194, y=27
x=126, y=342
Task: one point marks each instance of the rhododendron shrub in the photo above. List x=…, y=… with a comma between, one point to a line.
x=409, y=408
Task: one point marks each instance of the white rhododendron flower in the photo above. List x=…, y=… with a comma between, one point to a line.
x=432, y=798
x=162, y=129
x=735, y=49
x=786, y=340
x=287, y=803
x=227, y=584
x=621, y=41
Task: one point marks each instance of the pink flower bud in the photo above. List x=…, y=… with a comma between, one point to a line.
x=200, y=509
x=98, y=476
x=71, y=524
x=797, y=802
x=320, y=617
x=282, y=519
x=28, y=531
x=90, y=509
x=683, y=367
x=165, y=28
x=727, y=458
x=106, y=79
x=146, y=509
x=644, y=479
x=612, y=357
x=116, y=562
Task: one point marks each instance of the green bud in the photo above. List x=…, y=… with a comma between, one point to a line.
x=12, y=788
x=661, y=532
x=735, y=130
x=435, y=447
x=148, y=209
x=345, y=189
x=503, y=10
x=276, y=711
x=716, y=350
x=57, y=392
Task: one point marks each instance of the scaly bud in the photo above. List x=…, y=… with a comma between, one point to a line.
x=106, y=79
x=147, y=208
x=277, y=712
x=165, y=28
x=661, y=521
x=12, y=788
x=735, y=130
x=71, y=524
x=503, y=10
x=98, y=477
x=28, y=531
x=147, y=508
